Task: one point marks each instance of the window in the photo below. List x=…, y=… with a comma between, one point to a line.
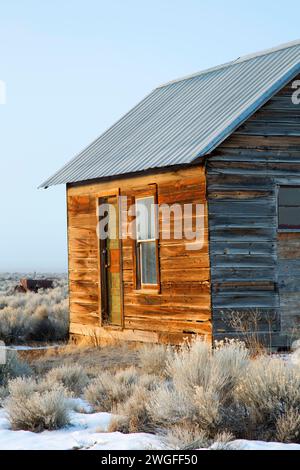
x=289, y=208
x=146, y=242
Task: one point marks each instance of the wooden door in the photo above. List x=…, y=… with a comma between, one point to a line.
x=110, y=261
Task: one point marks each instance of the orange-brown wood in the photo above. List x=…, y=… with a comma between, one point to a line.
x=181, y=305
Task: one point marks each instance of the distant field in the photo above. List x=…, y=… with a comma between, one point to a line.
x=30, y=316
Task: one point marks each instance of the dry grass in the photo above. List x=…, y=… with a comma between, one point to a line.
x=222, y=441
x=288, y=426
x=247, y=324
x=186, y=437
x=92, y=360
x=41, y=316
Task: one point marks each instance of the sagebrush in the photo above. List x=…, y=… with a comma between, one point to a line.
x=36, y=406
x=72, y=377
x=208, y=395
x=41, y=316
x=13, y=367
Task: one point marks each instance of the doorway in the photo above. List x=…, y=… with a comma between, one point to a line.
x=110, y=263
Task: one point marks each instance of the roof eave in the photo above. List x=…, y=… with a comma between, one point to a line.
x=252, y=109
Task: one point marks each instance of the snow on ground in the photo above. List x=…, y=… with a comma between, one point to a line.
x=241, y=444
x=30, y=348
x=86, y=431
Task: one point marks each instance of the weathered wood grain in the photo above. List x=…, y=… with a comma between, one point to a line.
x=252, y=265
x=182, y=307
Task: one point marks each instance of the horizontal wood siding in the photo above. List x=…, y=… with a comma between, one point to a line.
x=289, y=282
x=252, y=268
x=182, y=307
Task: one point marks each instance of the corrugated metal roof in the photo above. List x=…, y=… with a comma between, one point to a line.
x=183, y=120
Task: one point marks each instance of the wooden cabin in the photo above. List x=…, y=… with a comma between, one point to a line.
x=227, y=140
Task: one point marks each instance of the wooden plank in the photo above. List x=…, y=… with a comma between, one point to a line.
x=240, y=195
x=83, y=264
x=137, y=323
x=112, y=334
x=78, y=205
x=91, y=275
x=183, y=306
x=193, y=275
x=134, y=181
x=243, y=248
x=199, y=311
x=252, y=267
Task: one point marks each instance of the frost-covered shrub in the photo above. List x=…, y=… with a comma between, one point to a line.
x=107, y=390
x=127, y=377
x=3, y=394
x=153, y=359
x=168, y=406
x=295, y=357
x=35, y=407
x=201, y=386
x=288, y=426
x=119, y=423
x=72, y=377
x=149, y=382
x=224, y=389
x=34, y=316
x=111, y=392
x=132, y=415
x=222, y=441
x=12, y=368
x=190, y=365
x=268, y=389
x=186, y=437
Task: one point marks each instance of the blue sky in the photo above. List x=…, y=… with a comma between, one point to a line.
x=72, y=68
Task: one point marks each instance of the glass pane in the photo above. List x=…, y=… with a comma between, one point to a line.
x=113, y=222
x=289, y=196
x=289, y=217
x=148, y=263
x=145, y=218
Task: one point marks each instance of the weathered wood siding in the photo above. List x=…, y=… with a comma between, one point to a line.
x=289, y=282
x=253, y=268
x=182, y=306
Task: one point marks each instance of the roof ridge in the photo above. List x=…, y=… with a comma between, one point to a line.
x=244, y=58
x=148, y=137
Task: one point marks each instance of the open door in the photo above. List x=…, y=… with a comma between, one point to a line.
x=110, y=265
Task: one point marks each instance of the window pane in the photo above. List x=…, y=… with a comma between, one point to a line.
x=145, y=218
x=148, y=262
x=289, y=196
x=289, y=217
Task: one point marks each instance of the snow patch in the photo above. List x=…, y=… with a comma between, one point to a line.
x=87, y=431
x=82, y=433
x=242, y=444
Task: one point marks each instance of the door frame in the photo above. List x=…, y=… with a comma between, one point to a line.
x=100, y=195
